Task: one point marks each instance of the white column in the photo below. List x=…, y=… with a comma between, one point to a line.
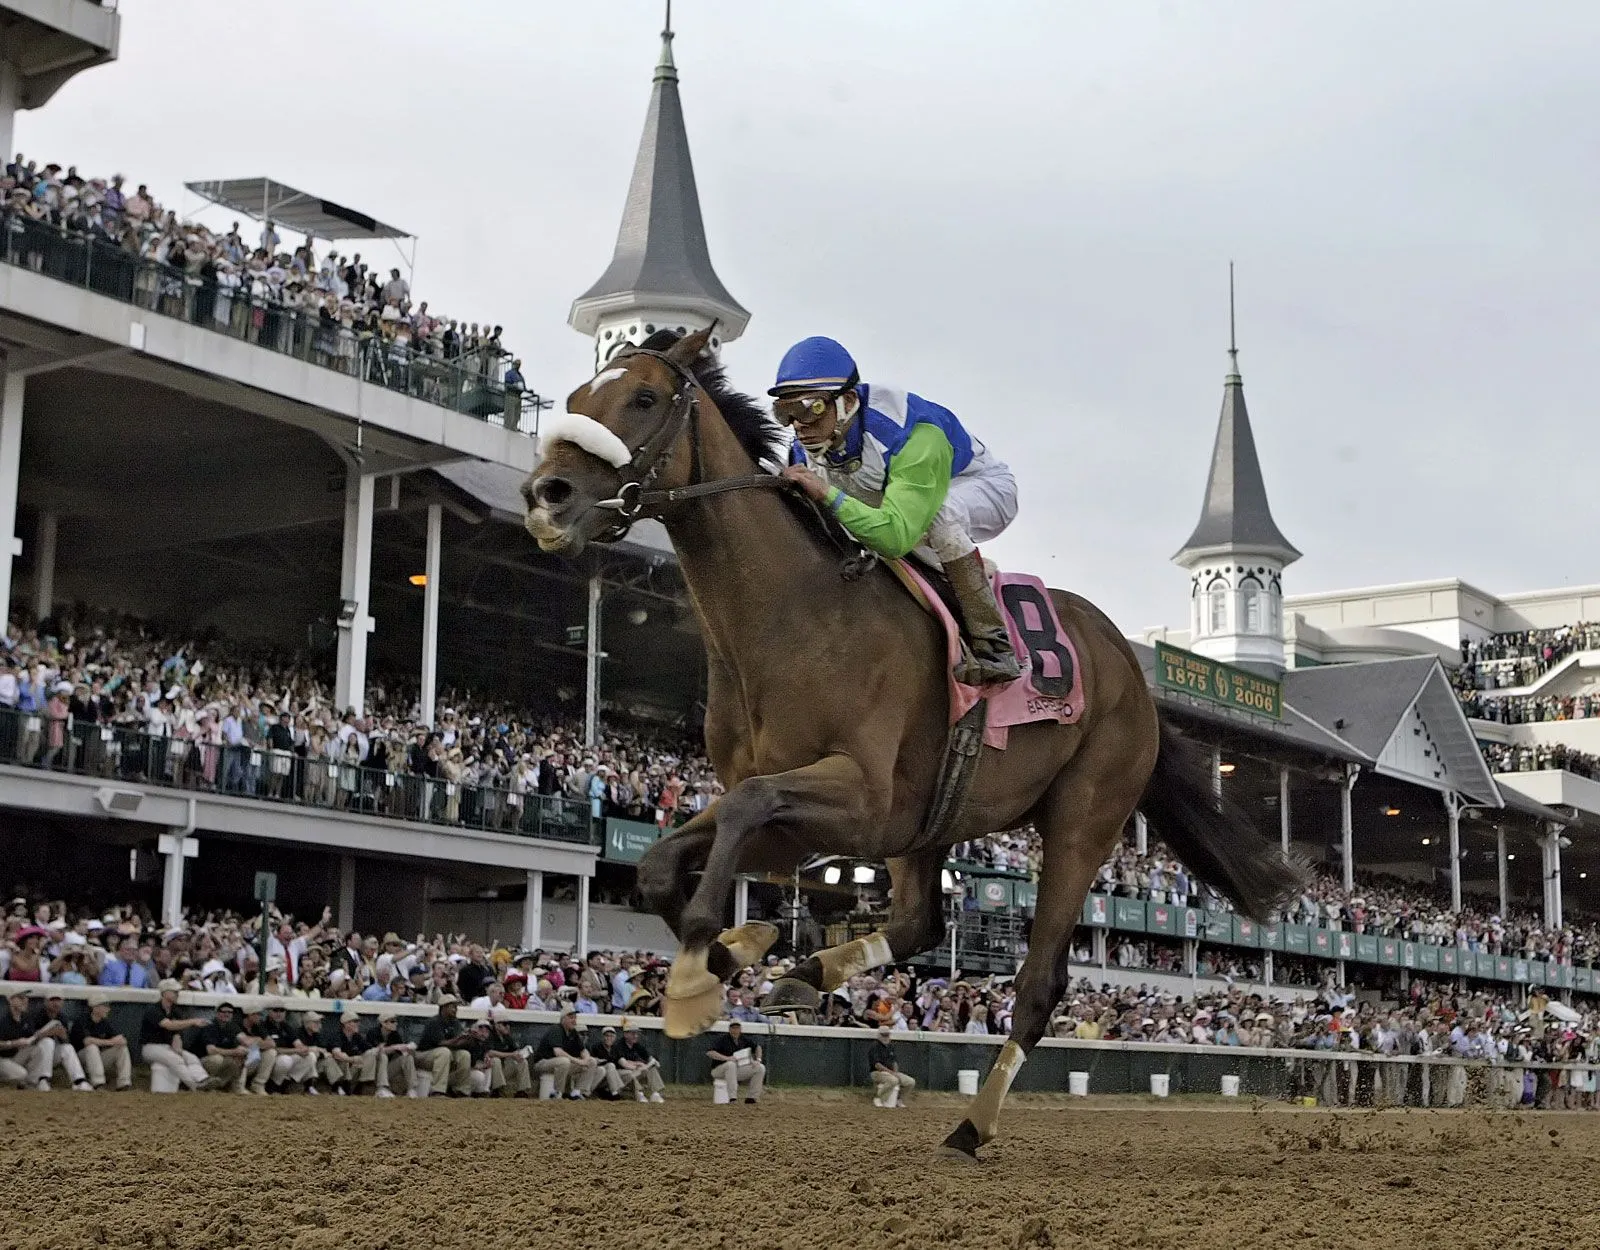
x=430, y=614
x=10, y=473
x=741, y=901
x=1283, y=808
x=1500, y=867
x=44, y=566
x=1347, y=826
x=582, y=948
x=591, y=694
x=345, y=913
x=1452, y=807
x=1141, y=834
x=174, y=847
x=1552, y=877
x=355, y=585
x=533, y=912
x=1216, y=770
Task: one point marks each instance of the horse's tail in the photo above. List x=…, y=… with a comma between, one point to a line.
x=1212, y=835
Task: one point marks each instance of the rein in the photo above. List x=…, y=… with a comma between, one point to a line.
x=636, y=499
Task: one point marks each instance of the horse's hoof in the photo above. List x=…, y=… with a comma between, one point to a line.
x=749, y=943
x=792, y=994
x=694, y=996
x=963, y=1143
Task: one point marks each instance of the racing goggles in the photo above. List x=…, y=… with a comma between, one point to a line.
x=807, y=406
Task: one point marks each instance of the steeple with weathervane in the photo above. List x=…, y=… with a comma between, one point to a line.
x=660, y=276
x=1236, y=556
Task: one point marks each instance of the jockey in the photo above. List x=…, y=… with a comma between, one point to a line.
x=903, y=476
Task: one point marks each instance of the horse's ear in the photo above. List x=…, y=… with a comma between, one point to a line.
x=691, y=347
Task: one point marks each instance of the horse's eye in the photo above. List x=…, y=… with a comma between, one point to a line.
x=645, y=399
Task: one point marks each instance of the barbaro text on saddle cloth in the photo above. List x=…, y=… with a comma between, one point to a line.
x=1051, y=685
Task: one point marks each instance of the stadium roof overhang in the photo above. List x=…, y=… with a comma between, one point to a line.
x=308, y=214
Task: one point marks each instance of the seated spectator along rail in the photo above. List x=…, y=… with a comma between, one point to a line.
x=139, y=254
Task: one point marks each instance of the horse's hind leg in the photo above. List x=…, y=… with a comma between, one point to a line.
x=915, y=925
x=1079, y=819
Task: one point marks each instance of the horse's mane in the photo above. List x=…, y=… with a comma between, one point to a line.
x=761, y=437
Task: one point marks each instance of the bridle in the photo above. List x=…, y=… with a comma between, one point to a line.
x=635, y=498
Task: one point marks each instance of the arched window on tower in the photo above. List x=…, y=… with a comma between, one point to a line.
x=1217, y=606
x=1252, y=608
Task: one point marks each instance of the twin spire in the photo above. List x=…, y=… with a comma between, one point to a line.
x=661, y=270
x=1235, y=516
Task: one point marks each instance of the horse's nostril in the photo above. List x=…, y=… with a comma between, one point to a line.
x=552, y=492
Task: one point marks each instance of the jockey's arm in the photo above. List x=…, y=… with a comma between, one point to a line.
x=919, y=480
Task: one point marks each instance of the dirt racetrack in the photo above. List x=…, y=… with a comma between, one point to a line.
x=804, y=1169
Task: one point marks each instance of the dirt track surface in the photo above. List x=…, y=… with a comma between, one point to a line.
x=812, y=1169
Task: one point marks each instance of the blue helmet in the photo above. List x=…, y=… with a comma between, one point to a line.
x=815, y=364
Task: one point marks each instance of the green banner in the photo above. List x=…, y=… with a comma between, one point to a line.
x=1161, y=918
x=628, y=840
x=1502, y=967
x=1583, y=979
x=1191, y=922
x=1217, y=683
x=1520, y=971
x=1388, y=950
x=1367, y=947
x=1097, y=910
x=1297, y=939
x=1025, y=894
x=1408, y=954
x=1561, y=975
x=1486, y=966
x=1538, y=972
x=1246, y=932
x=1428, y=958
x=1219, y=926
x=994, y=893
x=1322, y=943
x=1344, y=944
x=1129, y=913
x=1450, y=959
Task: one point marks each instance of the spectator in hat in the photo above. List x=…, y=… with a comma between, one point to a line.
x=101, y=1046
x=291, y=1064
x=47, y=1022
x=351, y=1061
x=441, y=1049
x=395, y=1062
x=508, y=1061
x=161, y=1038
x=563, y=1053
x=887, y=1079
x=223, y=1050
x=313, y=1048
x=735, y=1063
x=476, y=1045
x=26, y=1058
x=638, y=1066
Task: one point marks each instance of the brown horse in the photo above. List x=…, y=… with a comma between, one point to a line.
x=827, y=710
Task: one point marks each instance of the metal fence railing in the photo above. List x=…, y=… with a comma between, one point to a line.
x=471, y=382
x=129, y=754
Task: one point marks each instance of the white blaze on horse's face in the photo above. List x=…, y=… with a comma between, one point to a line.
x=584, y=431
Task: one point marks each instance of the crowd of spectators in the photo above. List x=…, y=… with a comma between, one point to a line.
x=1429, y=1019
x=1530, y=709
x=339, y=311
x=113, y=697
x=1519, y=657
x=1510, y=757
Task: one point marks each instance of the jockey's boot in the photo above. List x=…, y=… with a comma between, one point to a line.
x=987, y=659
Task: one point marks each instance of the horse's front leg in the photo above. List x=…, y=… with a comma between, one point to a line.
x=824, y=802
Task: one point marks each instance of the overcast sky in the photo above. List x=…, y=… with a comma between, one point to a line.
x=1022, y=210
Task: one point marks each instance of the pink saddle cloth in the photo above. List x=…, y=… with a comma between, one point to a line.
x=1051, y=685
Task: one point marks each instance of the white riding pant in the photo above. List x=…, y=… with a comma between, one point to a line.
x=981, y=503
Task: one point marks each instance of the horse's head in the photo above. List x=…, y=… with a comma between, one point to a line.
x=623, y=432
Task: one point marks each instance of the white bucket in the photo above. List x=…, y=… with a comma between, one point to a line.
x=424, y=1084
x=719, y=1093
x=967, y=1082
x=547, y=1085
x=1078, y=1084
x=1230, y=1087
x=1160, y=1084
x=162, y=1080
